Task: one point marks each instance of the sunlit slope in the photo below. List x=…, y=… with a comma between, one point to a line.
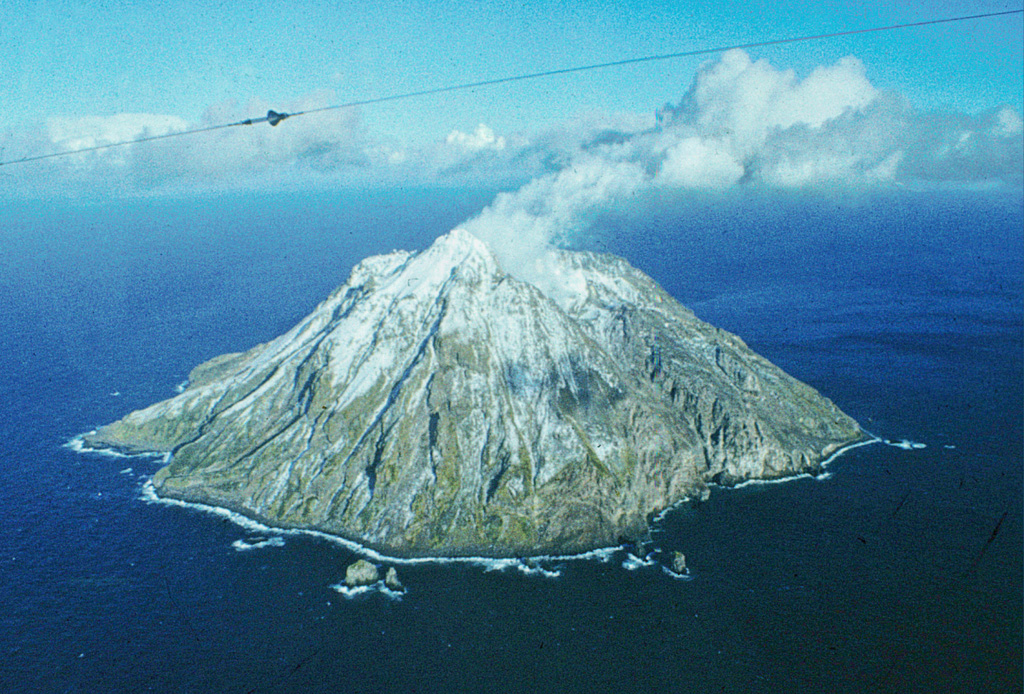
x=434, y=404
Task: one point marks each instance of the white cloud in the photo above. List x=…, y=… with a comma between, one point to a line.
x=735, y=124
x=480, y=139
x=832, y=128
x=1007, y=122
x=745, y=123
x=236, y=156
x=93, y=131
x=733, y=117
x=693, y=162
x=744, y=102
x=474, y=157
x=327, y=141
x=740, y=123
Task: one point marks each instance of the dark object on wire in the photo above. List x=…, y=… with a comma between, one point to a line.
x=273, y=117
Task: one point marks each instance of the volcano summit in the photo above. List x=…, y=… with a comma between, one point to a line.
x=436, y=405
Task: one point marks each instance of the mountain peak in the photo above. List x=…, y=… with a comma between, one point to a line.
x=456, y=248
x=458, y=240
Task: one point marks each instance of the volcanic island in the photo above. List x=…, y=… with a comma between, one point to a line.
x=435, y=405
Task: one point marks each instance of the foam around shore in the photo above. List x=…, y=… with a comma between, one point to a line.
x=546, y=566
x=530, y=566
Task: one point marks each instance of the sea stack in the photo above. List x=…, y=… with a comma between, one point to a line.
x=436, y=405
x=360, y=573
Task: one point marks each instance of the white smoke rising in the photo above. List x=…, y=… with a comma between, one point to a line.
x=733, y=111
x=523, y=227
x=746, y=123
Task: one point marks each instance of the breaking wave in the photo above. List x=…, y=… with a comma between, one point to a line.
x=257, y=543
x=906, y=444
x=378, y=587
x=77, y=444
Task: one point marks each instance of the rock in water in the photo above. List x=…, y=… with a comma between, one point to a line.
x=436, y=405
x=391, y=579
x=360, y=573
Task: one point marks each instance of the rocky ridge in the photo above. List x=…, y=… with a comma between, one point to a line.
x=436, y=405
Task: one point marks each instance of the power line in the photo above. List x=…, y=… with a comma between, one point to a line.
x=274, y=117
x=646, y=59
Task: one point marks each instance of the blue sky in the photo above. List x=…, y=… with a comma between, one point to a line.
x=101, y=58
x=84, y=65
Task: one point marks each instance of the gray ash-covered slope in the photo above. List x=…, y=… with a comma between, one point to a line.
x=435, y=405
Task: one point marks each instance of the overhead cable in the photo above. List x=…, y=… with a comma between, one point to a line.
x=274, y=117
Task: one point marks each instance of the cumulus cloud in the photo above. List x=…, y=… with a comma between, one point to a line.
x=965, y=149
x=695, y=162
x=746, y=123
x=1006, y=122
x=744, y=102
x=488, y=157
x=468, y=157
x=743, y=120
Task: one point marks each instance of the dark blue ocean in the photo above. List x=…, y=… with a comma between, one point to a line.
x=901, y=572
